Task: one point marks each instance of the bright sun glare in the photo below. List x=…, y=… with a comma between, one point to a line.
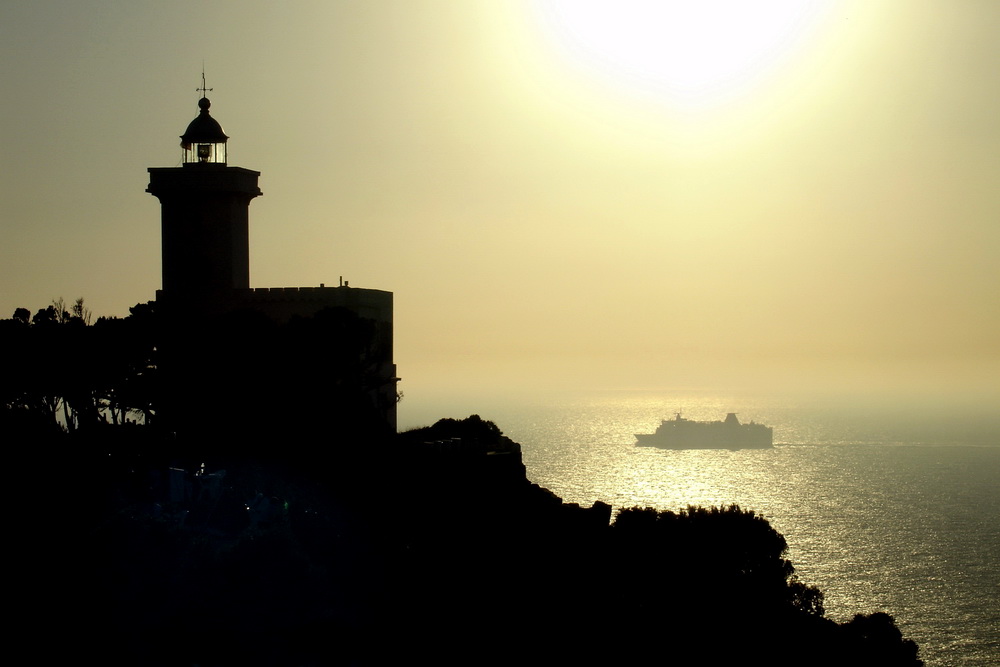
x=692, y=51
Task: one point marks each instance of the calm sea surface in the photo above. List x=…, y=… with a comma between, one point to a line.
x=883, y=510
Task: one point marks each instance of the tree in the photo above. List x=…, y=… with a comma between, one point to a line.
x=75, y=375
x=80, y=312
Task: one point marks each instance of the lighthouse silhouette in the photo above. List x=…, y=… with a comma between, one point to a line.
x=227, y=343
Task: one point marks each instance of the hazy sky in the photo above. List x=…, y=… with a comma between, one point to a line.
x=560, y=194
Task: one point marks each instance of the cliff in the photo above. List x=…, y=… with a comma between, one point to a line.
x=434, y=546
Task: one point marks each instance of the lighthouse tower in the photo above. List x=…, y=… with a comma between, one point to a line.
x=205, y=214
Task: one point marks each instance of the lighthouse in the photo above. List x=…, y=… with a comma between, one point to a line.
x=262, y=357
x=204, y=217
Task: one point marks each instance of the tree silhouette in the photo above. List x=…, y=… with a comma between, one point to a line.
x=72, y=374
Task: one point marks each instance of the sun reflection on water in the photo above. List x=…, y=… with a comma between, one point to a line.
x=904, y=528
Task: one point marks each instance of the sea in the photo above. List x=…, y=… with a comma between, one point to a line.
x=886, y=506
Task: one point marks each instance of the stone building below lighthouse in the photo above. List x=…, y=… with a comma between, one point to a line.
x=269, y=354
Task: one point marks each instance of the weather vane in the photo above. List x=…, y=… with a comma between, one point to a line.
x=203, y=89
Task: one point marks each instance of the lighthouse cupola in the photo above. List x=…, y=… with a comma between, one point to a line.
x=204, y=142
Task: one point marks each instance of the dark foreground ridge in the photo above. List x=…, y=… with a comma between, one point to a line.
x=429, y=546
x=243, y=499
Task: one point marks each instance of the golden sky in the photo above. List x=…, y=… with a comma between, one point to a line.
x=560, y=194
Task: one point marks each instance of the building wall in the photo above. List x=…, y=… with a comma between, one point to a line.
x=282, y=303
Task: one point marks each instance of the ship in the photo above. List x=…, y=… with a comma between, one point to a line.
x=681, y=433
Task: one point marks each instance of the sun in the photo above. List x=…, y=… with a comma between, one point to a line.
x=692, y=52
